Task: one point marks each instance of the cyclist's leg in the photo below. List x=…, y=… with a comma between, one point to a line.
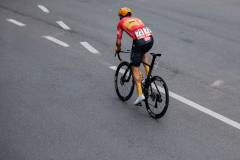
x=138, y=77
x=146, y=60
x=146, y=48
x=136, y=58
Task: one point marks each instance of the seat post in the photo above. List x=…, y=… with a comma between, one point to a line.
x=151, y=66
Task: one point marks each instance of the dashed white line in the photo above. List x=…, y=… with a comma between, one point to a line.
x=115, y=68
x=198, y=107
x=43, y=8
x=89, y=47
x=57, y=41
x=20, y=24
x=63, y=25
x=217, y=83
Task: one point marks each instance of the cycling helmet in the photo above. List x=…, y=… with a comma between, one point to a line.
x=124, y=11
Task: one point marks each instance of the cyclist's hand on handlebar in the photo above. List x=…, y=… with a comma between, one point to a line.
x=117, y=50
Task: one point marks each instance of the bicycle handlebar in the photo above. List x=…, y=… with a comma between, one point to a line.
x=126, y=51
x=129, y=51
x=123, y=51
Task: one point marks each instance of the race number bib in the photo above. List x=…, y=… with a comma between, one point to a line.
x=147, y=31
x=139, y=33
x=143, y=33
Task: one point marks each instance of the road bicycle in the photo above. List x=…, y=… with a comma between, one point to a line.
x=154, y=88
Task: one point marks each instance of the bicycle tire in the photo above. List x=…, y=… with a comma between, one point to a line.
x=120, y=82
x=157, y=96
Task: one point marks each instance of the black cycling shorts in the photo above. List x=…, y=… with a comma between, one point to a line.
x=139, y=48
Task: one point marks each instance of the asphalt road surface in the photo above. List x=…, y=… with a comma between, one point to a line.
x=57, y=98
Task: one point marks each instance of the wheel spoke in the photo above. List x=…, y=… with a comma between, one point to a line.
x=157, y=101
x=123, y=83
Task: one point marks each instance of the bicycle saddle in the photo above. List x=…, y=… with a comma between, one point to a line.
x=156, y=54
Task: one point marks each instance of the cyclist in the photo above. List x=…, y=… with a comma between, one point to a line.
x=142, y=43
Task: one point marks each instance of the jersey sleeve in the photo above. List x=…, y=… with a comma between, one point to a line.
x=119, y=31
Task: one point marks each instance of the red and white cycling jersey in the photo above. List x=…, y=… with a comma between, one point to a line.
x=134, y=27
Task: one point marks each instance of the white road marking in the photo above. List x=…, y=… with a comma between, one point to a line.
x=217, y=83
x=89, y=47
x=61, y=43
x=43, y=8
x=16, y=22
x=63, y=25
x=198, y=107
x=205, y=110
x=115, y=68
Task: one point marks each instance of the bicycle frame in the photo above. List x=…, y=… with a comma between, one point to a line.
x=147, y=81
x=150, y=68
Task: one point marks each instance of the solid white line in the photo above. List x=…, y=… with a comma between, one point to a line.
x=205, y=110
x=16, y=22
x=61, y=43
x=199, y=107
x=89, y=47
x=43, y=8
x=63, y=25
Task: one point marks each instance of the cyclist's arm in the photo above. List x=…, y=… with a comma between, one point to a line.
x=118, y=45
x=119, y=38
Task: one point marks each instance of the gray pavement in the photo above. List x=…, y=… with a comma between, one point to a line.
x=60, y=103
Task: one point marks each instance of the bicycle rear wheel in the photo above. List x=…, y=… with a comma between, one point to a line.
x=124, y=83
x=157, y=97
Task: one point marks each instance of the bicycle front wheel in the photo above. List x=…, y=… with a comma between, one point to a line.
x=157, y=97
x=124, y=83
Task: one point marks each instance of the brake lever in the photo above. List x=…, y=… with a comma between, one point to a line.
x=118, y=56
